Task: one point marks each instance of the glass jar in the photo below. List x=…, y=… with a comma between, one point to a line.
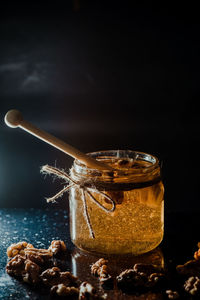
x=123, y=208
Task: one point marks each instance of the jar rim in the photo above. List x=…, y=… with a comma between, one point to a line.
x=119, y=154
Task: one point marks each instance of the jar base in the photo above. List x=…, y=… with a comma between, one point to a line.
x=118, y=247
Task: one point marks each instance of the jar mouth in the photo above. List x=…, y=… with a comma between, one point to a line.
x=111, y=157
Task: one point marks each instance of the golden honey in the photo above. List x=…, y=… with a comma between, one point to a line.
x=136, y=225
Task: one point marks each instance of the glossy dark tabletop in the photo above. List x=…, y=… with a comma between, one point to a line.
x=100, y=75
x=40, y=227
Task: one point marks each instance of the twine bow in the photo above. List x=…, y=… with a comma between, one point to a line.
x=84, y=189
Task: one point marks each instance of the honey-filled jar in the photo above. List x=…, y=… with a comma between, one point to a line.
x=117, y=211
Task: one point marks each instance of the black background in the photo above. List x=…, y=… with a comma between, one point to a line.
x=100, y=76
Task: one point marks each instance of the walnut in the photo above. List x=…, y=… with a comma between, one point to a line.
x=190, y=268
x=17, y=248
x=32, y=272
x=100, y=269
x=87, y=291
x=172, y=294
x=24, y=268
x=106, y=281
x=15, y=266
x=37, y=255
x=57, y=247
x=129, y=279
x=36, y=259
x=25, y=249
x=192, y=286
x=155, y=279
x=51, y=276
x=68, y=278
x=54, y=276
x=96, y=267
x=62, y=290
x=140, y=277
x=145, y=269
x=197, y=253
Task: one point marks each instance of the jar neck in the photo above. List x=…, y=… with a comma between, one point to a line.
x=131, y=169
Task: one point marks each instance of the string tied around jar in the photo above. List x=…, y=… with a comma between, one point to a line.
x=85, y=189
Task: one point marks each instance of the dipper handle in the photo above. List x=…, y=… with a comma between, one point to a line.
x=14, y=119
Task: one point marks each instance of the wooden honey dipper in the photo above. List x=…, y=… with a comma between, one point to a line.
x=14, y=119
